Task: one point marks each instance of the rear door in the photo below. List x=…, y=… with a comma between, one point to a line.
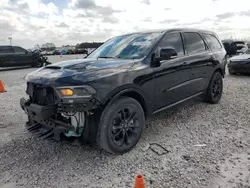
x=198, y=57
x=217, y=53
x=22, y=57
x=6, y=56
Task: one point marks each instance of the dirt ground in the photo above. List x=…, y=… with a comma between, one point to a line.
x=193, y=145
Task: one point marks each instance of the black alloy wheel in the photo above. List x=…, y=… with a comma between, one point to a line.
x=215, y=89
x=121, y=125
x=125, y=127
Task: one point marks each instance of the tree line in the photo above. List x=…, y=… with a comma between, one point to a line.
x=83, y=45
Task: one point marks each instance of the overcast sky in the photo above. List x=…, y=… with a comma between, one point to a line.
x=31, y=22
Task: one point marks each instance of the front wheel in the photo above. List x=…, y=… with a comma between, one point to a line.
x=38, y=63
x=121, y=125
x=231, y=72
x=215, y=88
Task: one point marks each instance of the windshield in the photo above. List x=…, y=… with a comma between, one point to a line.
x=131, y=46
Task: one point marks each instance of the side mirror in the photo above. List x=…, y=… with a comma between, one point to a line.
x=167, y=53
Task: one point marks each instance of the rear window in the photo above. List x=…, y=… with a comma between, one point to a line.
x=194, y=43
x=5, y=50
x=213, y=42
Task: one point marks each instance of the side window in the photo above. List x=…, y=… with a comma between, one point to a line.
x=213, y=42
x=5, y=50
x=173, y=40
x=19, y=50
x=194, y=43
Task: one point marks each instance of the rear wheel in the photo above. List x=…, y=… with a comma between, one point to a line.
x=121, y=125
x=215, y=88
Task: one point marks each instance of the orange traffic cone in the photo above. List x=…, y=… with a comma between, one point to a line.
x=139, y=181
x=2, y=89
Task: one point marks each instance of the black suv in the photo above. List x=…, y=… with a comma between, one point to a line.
x=106, y=97
x=13, y=56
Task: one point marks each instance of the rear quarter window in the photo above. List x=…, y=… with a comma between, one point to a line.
x=213, y=42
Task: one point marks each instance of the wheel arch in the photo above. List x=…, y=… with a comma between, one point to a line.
x=134, y=93
x=220, y=70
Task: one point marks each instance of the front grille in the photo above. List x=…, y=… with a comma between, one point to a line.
x=41, y=94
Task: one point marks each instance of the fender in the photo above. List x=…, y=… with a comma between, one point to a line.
x=217, y=68
x=116, y=93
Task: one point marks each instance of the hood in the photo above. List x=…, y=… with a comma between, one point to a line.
x=240, y=57
x=78, y=72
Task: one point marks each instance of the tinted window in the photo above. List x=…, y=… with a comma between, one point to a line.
x=173, y=40
x=5, y=49
x=212, y=41
x=19, y=50
x=194, y=43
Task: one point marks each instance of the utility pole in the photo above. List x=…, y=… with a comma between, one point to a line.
x=10, y=38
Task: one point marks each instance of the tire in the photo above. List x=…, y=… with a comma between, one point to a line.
x=231, y=72
x=38, y=63
x=215, y=89
x=121, y=125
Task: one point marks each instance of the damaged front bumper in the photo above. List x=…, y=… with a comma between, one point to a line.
x=64, y=118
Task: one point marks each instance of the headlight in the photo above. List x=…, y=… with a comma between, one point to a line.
x=67, y=92
x=76, y=91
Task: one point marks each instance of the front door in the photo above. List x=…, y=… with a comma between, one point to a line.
x=22, y=57
x=173, y=77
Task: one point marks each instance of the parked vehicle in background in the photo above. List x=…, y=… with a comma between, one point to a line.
x=239, y=64
x=47, y=52
x=106, y=97
x=70, y=52
x=64, y=52
x=56, y=52
x=13, y=56
x=80, y=51
x=248, y=45
x=241, y=47
x=43, y=52
x=230, y=47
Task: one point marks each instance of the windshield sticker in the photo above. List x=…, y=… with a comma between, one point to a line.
x=141, y=43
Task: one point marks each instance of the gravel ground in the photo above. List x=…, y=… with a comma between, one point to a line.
x=193, y=145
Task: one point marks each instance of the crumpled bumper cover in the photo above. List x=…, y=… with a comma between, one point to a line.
x=42, y=119
x=41, y=122
x=38, y=112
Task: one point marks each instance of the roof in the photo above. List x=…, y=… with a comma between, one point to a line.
x=7, y=46
x=173, y=30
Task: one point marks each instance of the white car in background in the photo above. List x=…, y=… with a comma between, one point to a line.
x=241, y=47
x=47, y=52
